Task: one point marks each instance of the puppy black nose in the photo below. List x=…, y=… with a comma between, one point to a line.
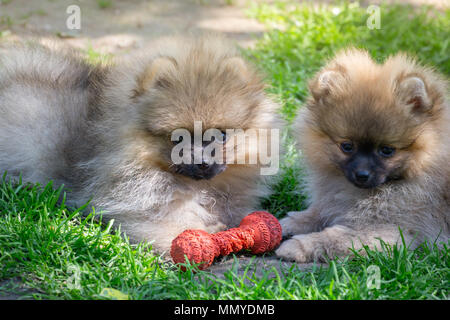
x=362, y=175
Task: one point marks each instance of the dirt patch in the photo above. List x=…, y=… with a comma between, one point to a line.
x=123, y=26
x=14, y=289
x=258, y=266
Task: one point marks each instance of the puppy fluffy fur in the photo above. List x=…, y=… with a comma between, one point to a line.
x=104, y=132
x=399, y=104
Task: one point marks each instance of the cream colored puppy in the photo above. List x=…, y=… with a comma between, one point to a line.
x=376, y=139
x=106, y=133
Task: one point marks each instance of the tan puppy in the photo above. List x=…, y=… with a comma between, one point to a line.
x=108, y=135
x=376, y=139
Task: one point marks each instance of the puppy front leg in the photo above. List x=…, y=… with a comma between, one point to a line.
x=299, y=222
x=335, y=241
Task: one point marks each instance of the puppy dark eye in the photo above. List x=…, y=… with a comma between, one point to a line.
x=386, y=151
x=347, y=147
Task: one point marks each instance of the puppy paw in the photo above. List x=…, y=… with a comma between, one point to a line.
x=293, y=250
x=288, y=226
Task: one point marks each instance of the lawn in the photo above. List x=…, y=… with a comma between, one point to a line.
x=61, y=255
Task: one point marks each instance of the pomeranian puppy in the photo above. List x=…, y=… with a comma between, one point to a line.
x=376, y=141
x=106, y=133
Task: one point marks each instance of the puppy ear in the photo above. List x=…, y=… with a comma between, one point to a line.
x=152, y=73
x=325, y=83
x=413, y=92
x=238, y=65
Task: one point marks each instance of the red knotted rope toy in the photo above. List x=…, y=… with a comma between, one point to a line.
x=259, y=232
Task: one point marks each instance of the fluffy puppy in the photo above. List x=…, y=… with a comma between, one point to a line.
x=376, y=141
x=106, y=134
x=46, y=94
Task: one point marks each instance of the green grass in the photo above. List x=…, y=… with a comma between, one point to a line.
x=60, y=255
x=49, y=244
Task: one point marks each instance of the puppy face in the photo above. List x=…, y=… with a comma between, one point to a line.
x=201, y=89
x=371, y=123
x=206, y=168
